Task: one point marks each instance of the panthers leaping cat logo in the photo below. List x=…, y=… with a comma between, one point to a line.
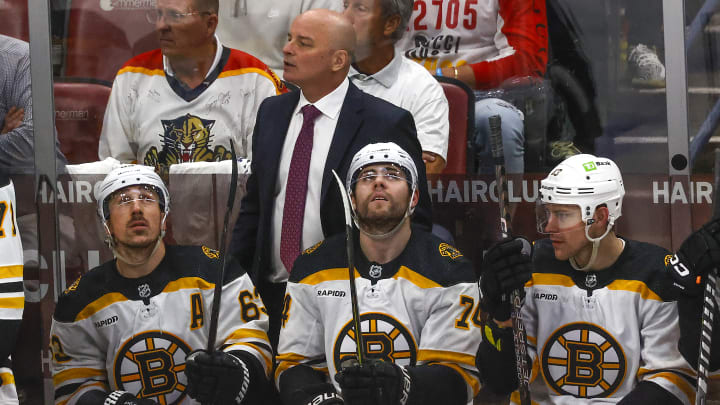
x=186, y=139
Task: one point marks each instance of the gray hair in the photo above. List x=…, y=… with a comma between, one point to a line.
x=403, y=8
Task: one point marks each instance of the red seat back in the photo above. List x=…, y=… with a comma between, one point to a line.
x=79, y=112
x=103, y=35
x=462, y=118
x=14, y=19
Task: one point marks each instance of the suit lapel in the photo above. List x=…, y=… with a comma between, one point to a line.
x=349, y=123
x=280, y=122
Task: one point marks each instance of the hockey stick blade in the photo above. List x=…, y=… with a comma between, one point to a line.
x=360, y=344
x=709, y=305
x=519, y=335
x=215, y=312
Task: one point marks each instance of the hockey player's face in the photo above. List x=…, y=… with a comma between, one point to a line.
x=366, y=17
x=564, y=225
x=181, y=28
x=307, y=53
x=381, y=197
x=135, y=217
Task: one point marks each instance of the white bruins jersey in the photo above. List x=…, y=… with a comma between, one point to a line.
x=12, y=299
x=114, y=333
x=154, y=119
x=415, y=310
x=593, y=336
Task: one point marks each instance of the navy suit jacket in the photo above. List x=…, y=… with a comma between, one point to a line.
x=363, y=119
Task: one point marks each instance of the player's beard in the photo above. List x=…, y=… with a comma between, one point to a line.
x=378, y=223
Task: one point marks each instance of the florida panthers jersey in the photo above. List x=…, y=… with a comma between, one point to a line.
x=498, y=38
x=415, y=310
x=114, y=333
x=12, y=299
x=594, y=336
x=154, y=119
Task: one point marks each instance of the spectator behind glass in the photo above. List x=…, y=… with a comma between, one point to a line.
x=384, y=73
x=483, y=43
x=260, y=27
x=16, y=136
x=185, y=101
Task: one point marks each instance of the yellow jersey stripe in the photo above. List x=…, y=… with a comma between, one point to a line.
x=145, y=71
x=634, y=286
x=473, y=382
x=679, y=382
x=327, y=275
x=11, y=271
x=248, y=333
x=74, y=373
x=13, y=303
x=188, y=283
x=550, y=279
x=415, y=278
x=7, y=378
x=111, y=298
x=262, y=72
x=100, y=303
x=443, y=356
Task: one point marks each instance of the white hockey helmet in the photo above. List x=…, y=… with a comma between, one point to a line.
x=586, y=181
x=130, y=175
x=385, y=152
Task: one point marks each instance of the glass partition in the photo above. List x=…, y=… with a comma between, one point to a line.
x=596, y=80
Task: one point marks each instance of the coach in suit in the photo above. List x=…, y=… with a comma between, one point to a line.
x=292, y=201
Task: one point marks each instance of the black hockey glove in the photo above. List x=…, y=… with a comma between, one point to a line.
x=317, y=394
x=217, y=378
x=376, y=382
x=126, y=398
x=699, y=254
x=506, y=266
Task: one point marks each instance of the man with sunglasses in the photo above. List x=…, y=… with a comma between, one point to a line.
x=416, y=296
x=185, y=101
x=601, y=323
x=132, y=331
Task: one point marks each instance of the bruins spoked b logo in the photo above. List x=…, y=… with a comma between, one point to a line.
x=583, y=360
x=152, y=365
x=385, y=338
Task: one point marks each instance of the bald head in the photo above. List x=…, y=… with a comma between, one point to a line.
x=319, y=51
x=334, y=26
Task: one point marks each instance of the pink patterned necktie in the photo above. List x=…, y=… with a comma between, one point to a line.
x=296, y=189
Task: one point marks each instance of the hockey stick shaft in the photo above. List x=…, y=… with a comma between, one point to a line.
x=709, y=304
x=350, y=245
x=215, y=312
x=519, y=335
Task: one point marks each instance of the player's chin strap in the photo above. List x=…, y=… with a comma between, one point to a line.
x=110, y=241
x=386, y=235
x=595, y=242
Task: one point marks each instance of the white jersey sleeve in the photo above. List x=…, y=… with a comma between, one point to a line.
x=449, y=336
x=12, y=298
x=117, y=134
x=301, y=339
x=241, y=301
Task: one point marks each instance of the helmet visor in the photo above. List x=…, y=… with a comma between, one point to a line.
x=557, y=218
x=390, y=172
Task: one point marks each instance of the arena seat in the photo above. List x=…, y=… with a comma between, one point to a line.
x=79, y=113
x=103, y=35
x=14, y=19
x=462, y=125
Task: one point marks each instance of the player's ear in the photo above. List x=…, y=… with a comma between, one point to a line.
x=602, y=215
x=415, y=198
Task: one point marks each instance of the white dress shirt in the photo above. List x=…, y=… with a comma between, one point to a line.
x=408, y=85
x=325, y=124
